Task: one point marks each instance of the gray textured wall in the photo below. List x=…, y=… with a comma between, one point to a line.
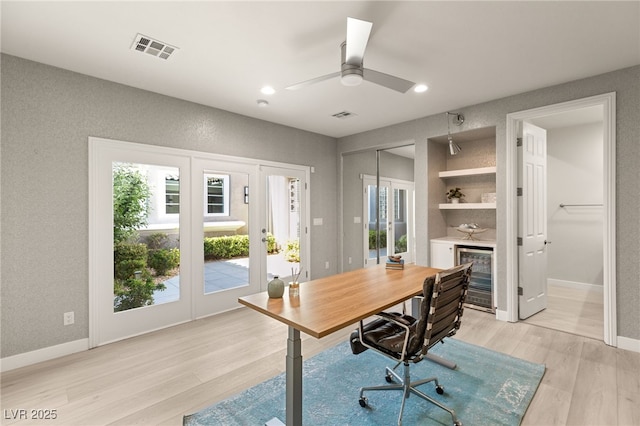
x=626, y=84
x=47, y=116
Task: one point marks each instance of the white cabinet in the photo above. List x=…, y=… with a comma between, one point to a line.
x=442, y=254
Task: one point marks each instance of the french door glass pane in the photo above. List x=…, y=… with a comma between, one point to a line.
x=400, y=220
x=146, y=239
x=373, y=212
x=226, y=231
x=283, y=227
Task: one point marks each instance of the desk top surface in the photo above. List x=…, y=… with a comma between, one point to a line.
x=328, y=304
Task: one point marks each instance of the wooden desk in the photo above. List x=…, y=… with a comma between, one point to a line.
x=329, y=304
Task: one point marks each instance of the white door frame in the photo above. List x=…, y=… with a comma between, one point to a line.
x=608, y=102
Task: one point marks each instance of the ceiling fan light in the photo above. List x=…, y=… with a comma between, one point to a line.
x=420, y=88
x=351, y=79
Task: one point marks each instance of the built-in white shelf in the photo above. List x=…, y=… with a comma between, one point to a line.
x=468, y=172
x=467, y=206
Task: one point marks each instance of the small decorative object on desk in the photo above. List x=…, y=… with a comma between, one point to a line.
x=294, y=289
x=275, y=288
x=294, y=286
x=395, y=262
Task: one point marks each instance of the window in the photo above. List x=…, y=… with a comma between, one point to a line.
x=172, y=194
x=217, y=195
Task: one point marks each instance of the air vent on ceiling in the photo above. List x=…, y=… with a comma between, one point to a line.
x=153, y=47
x=343, y=114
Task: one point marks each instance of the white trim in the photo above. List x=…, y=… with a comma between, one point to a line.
x=502, y=315
x=608, y=102
x=44, y=354
x=576, y=285
x=628, y=344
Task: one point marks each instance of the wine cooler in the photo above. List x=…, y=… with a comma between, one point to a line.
x=480, y=294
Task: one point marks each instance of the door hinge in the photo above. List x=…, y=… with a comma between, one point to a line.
x=520, y=291
x=519, y=241
x=519, y=192
x=306, y=230
x=518, y=141
x=305, y=185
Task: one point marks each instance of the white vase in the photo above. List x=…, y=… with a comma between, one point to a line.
x=455, y=200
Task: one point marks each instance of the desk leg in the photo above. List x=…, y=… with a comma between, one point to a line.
x=294, y=378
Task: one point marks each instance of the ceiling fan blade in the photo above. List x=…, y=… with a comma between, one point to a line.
x=313, y=81
x=389, y=81
x=357, y=37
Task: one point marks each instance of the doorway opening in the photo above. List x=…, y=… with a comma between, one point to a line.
x=604, y=106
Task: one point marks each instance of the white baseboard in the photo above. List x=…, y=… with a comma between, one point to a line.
x=44, y=354
x=502, y=315
x=574, y=284
x=628, y=344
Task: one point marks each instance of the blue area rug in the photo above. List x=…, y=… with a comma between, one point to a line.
x=487, y=388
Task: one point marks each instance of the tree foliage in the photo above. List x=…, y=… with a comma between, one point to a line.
x=131, y=193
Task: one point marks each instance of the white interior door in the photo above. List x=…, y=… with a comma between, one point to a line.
x=532, y=226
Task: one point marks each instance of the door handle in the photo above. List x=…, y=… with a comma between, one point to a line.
x=546, y=242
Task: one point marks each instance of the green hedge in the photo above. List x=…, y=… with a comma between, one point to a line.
x=164, y=260
x=231, y=246
x=372, y=239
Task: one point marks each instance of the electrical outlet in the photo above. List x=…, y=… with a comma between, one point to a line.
x=350, y=260
x=68, y=318
x=326, y=265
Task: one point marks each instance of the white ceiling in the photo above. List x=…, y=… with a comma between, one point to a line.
x=466, y=52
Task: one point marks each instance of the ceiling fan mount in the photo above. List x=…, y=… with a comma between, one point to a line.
x=352, y=71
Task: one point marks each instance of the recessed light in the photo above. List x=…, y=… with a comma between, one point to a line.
x=262, y=103
x=267, y=90
x=420, y=88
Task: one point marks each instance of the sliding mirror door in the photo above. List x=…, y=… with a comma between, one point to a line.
x=381, y=221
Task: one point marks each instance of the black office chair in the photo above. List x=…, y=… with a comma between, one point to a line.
x=407, y=340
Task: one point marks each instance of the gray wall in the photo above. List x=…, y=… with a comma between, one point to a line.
x=47, y=116
x=574, y=172
x=626, y=83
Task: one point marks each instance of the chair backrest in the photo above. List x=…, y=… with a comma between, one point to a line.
x=442, y=306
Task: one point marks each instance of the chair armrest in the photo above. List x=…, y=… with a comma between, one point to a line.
x=394, y=318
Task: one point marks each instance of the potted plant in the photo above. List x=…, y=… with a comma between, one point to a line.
x=454, y=195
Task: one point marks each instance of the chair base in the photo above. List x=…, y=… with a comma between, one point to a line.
x=408, y=387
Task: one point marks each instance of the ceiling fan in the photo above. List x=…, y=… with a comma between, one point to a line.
x=352, y=72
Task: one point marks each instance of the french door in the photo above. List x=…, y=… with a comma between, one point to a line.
x=176, y=235
x=284, y=230
x=139, y=211
x=226, y=265
x=389, y=227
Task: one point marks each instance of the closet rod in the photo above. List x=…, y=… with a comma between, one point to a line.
x=580, y=205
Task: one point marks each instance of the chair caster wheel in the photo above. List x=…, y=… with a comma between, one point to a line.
x=440, y=391
x=458, y=423
x=363, y=402
x=389, y=378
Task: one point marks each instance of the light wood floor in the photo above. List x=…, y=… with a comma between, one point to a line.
x=573, y=310
x=159, y=377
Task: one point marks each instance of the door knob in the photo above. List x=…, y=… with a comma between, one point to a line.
x=546, y=242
